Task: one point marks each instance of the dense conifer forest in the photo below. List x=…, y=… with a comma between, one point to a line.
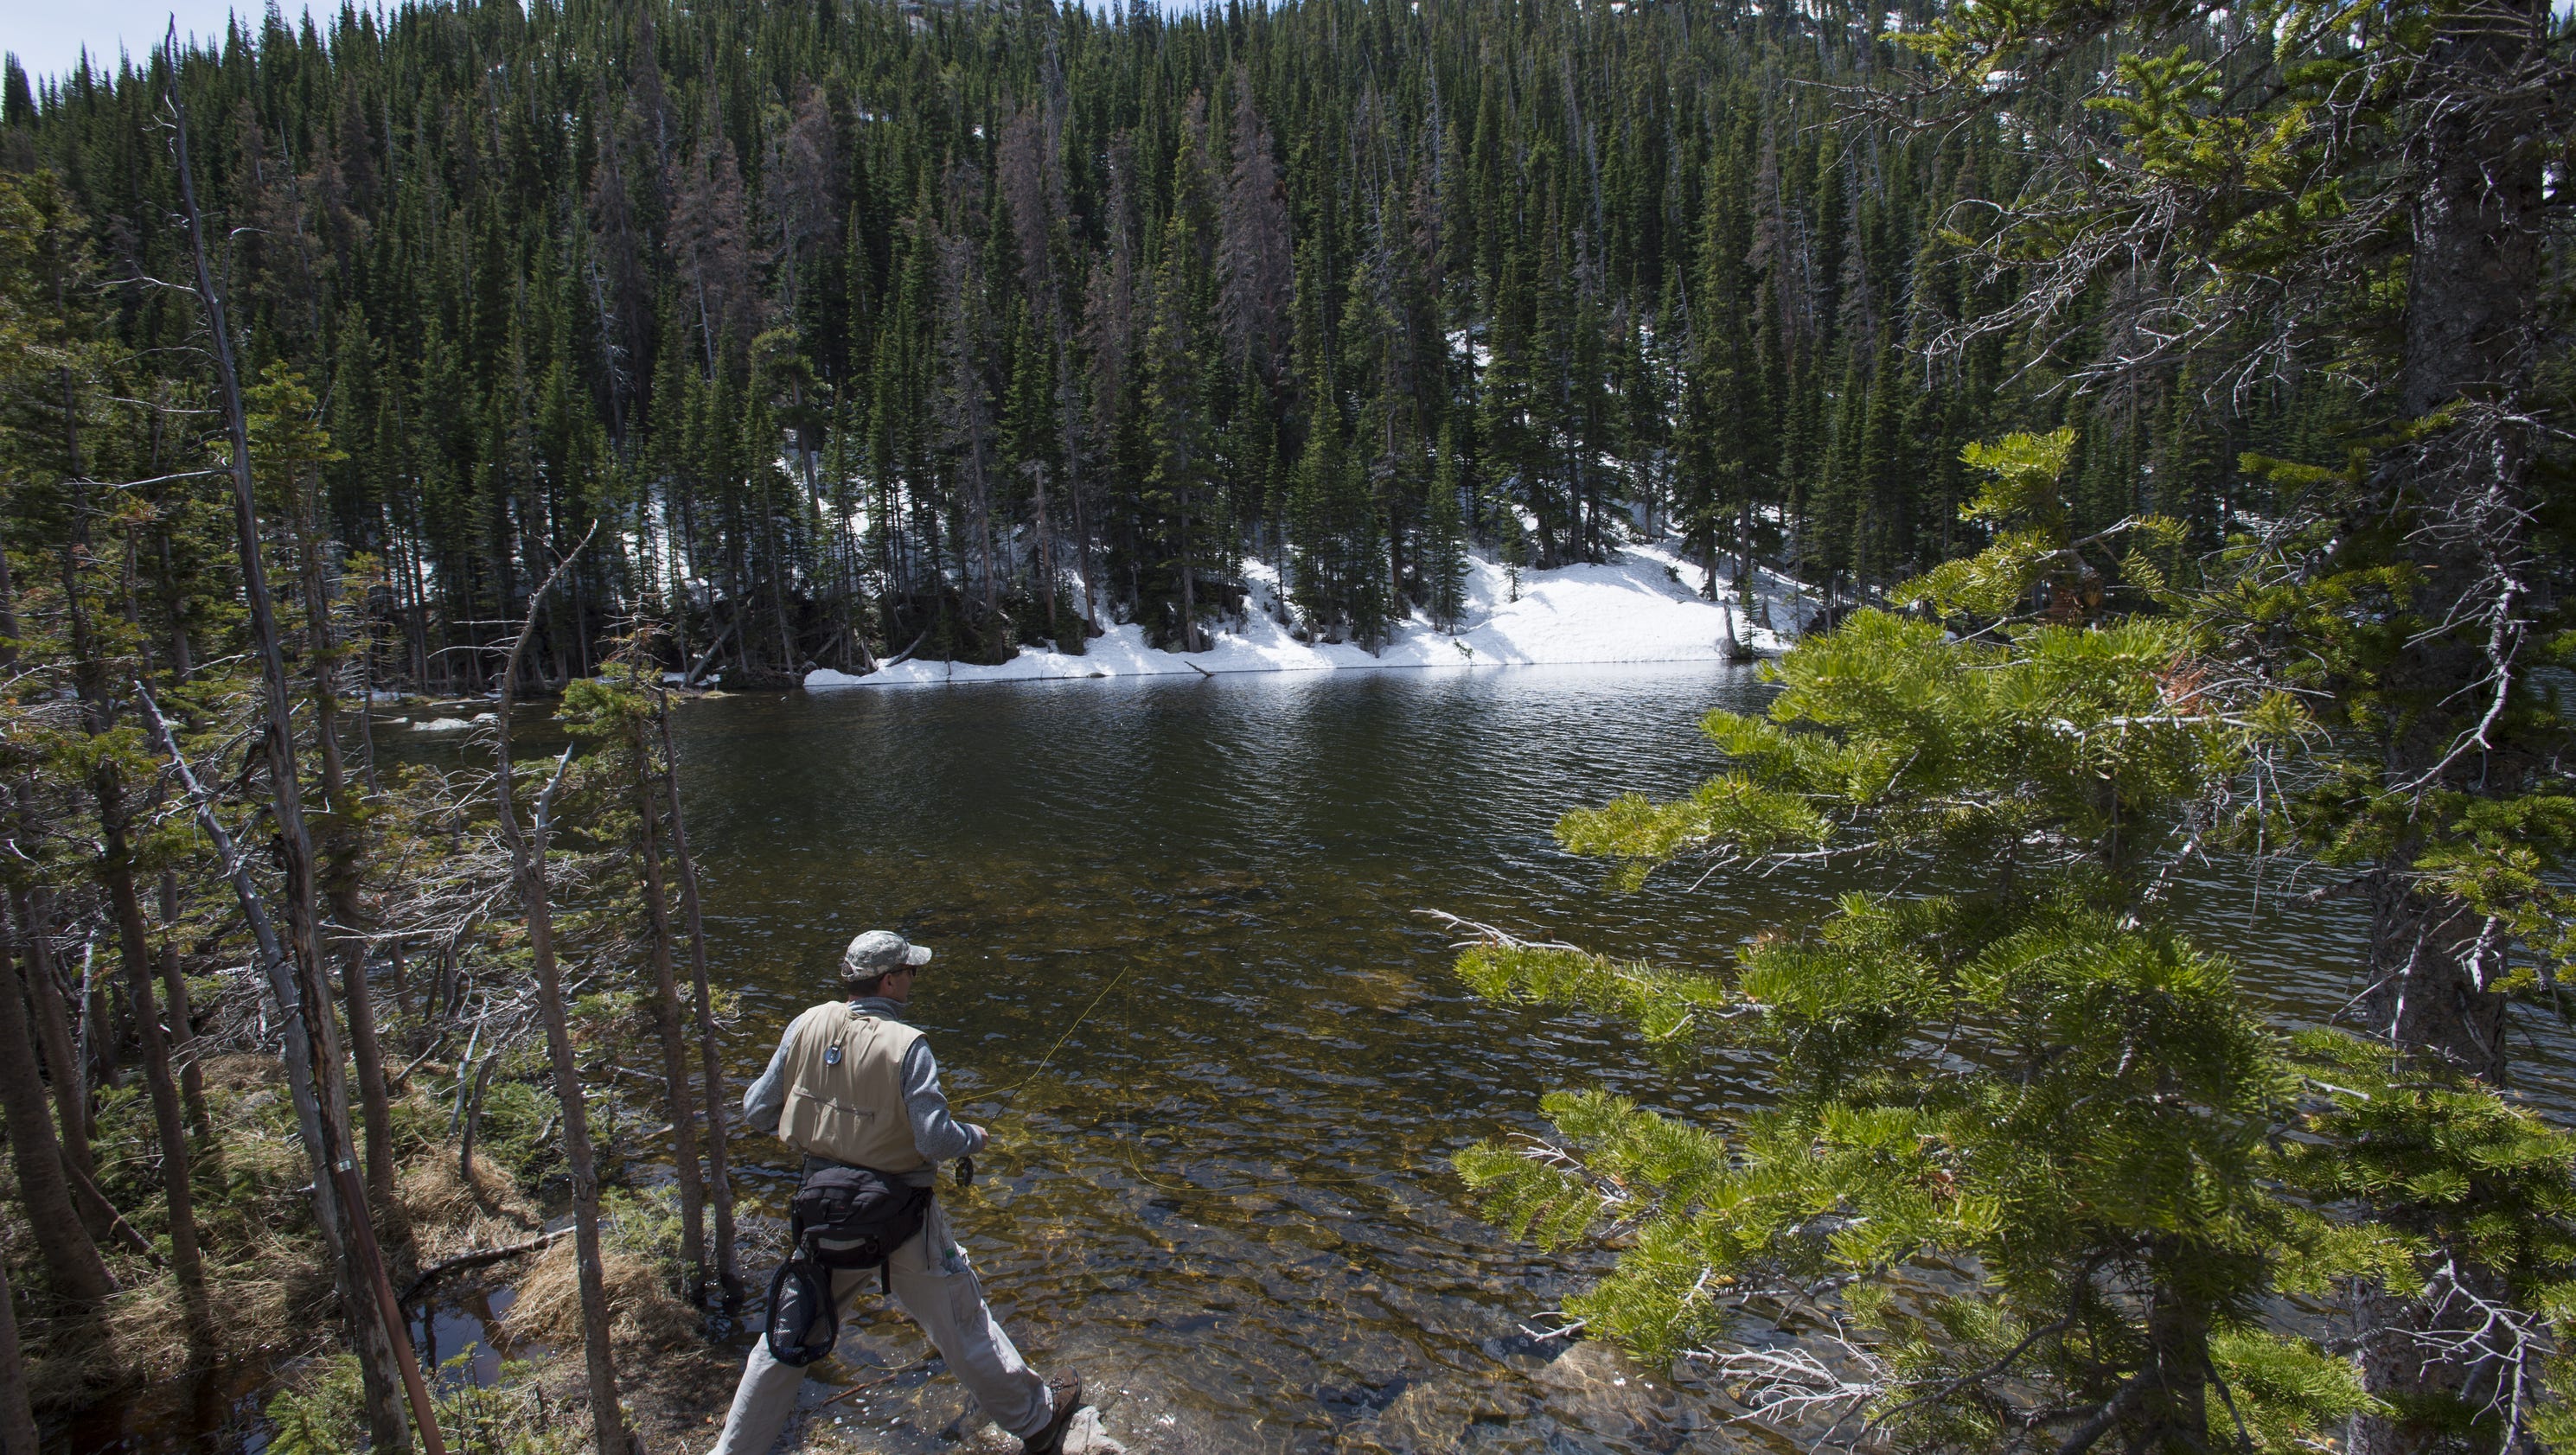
x=860, y=328
x=2170, y=406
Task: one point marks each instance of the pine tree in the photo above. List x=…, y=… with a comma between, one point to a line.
x=2033, y=1080
x=1444, y=532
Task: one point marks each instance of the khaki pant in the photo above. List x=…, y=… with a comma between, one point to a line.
x=934, y=1284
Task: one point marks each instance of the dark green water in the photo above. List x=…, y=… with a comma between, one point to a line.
x=1226, y=1198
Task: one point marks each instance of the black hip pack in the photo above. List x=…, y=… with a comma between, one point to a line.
x=842, y=1217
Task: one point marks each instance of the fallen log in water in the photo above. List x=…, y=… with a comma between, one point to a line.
x=478, y=1258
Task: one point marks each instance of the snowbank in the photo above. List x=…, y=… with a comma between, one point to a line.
x=1642, y=606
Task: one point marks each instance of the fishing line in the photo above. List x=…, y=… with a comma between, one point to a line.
x=966, y=1165
x=1014, y=1089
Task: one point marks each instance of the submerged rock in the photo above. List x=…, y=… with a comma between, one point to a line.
x=1595, y=1388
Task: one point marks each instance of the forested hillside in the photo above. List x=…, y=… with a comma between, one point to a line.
x=2170, y=403
x=854, y=326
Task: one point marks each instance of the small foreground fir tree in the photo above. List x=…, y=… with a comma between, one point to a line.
x=2034, y=1173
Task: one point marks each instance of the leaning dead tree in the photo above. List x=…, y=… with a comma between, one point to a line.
x=276, y=961
x=314, y=1056
x=527, y=842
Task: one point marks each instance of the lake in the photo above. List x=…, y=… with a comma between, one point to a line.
x=1226, y=1197
x=1185, y=975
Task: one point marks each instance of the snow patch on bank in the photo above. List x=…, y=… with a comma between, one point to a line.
x=1641, y=606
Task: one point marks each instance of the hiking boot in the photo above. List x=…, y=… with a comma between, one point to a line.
x=1067, y=1394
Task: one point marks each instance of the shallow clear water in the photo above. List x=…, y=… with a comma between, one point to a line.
x=1225, y=1197
x=1227, y=1194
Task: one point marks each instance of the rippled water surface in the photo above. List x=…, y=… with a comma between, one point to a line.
x=1227, y=1196
x=1227, y=1193
x=1184, y=974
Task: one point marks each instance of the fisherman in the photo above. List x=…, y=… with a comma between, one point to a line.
x=853, y=1086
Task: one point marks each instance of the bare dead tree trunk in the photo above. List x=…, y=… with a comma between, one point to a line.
x=313, y=1040
x=528, y=862
x=710, y=1056
x=53, y=1024
x=72, y=1263
x=666, y=1021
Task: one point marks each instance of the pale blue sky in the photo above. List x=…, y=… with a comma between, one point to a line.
x=48, y=34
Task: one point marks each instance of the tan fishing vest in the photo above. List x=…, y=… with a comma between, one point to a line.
x=845, y=1089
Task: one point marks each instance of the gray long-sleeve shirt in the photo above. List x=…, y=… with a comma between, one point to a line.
x=936, y=1134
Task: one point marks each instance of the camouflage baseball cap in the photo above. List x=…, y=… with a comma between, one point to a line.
x=881, y=952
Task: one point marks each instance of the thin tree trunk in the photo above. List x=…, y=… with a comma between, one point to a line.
x=1189, y=580
x=1066, y=399
x=1046, y=559
x=1744, y=551
x=528, y=862
x=2178, y=1393
x=2479, y=254
x=313, y=1055
x=174, y=980
x=789, y=659
x=115, y=869
x=710, y=1056
x=342, y=849
x=183, y=1028
x=470, y=1116
x=182, y=659
x=8, y=614
x=666, y=1020
x=53, y=1027
x=72, y=1263
x=187, y=1263
x=17, y=1418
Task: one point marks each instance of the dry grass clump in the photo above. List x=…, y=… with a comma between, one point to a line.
x=268, y=1282
x=241, y=1073
x=266, y=1303
x=643, y=1312
x=266, y=1288
x=263, y=1304
x=446, y=1214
